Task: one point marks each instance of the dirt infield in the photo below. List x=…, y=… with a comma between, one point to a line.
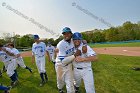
x=126, y=51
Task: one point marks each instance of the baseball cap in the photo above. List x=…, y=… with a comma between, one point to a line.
x=77, y=36
x=36, y=37
x=66, y=29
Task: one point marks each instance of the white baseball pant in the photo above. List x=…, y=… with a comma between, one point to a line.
x=21, y=62
x=87, y=75
x=65, y=76
x=40, y=63
x=10, y=67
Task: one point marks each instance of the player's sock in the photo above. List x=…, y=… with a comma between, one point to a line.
x=16, y=72
x=41, y=75
x=18, y=66
x=46, y=77
x=15, y=77
x=12, y=78
x=29, y=69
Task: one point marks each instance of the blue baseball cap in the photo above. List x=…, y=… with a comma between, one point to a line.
x=66, y=29
x=77, y=36
x=36, y=37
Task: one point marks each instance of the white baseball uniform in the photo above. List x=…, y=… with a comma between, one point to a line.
x=64, y=72
x=83, y=70
x=39, y=51
x=51, y=50
x=9, y=62
x=19, y=60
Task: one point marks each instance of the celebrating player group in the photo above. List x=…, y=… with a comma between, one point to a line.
x=71, y=57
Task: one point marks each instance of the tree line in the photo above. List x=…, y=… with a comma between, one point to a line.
x=128, y=31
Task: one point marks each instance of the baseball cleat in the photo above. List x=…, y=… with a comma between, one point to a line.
x=136, y=68
x=14, y=83
x=61, y=91
x=42, y=83
x=31, y=71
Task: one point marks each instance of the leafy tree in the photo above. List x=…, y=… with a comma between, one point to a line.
x=98, y=36
x=26, y=41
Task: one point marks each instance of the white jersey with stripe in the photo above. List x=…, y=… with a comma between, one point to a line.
x=51, y=50
x=89, y=53
x=65, y=49
x=39, y=49
x=4, y=57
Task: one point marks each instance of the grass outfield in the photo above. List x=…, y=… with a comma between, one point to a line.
x=112, y=74
x=133, y=44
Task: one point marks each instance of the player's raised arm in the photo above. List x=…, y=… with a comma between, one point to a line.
x=8, y=51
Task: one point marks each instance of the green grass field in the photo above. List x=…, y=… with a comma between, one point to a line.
x=112, y=74
x=133, y=44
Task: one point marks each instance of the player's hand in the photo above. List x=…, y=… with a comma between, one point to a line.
x=79, y=59
x=84, y=42
x=4, y=49
x=77, y=53
x=84, y=49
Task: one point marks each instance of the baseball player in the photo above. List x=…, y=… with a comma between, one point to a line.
x=82, y=65
x=19, y=59
x=38, y=55
x=51, y=52
x=8, y=58
x=64, y=56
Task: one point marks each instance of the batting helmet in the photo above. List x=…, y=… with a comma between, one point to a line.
x=66, y=29
x=77, y=36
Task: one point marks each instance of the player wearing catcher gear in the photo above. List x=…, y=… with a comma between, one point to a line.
x=63, y=66
x=8, y=58
x=82, y=64
x=38, y=55
x=51, y=52
x=19, y=59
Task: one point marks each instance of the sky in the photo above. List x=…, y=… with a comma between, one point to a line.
x=47, y=18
